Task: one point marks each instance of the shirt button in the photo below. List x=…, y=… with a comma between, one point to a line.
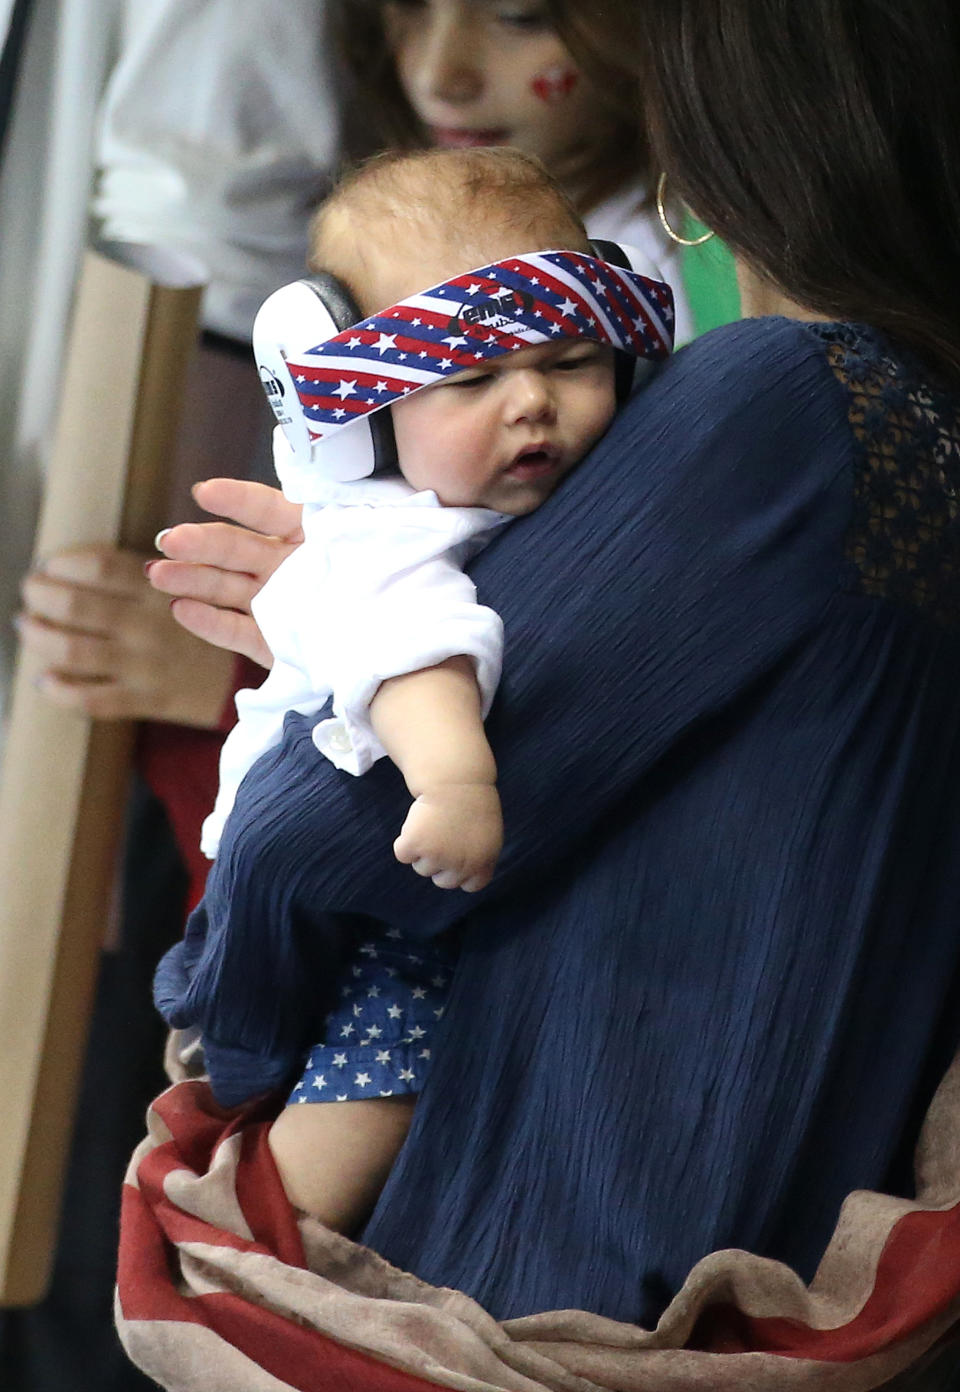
x=340, y=741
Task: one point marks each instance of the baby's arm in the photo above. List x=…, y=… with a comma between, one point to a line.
x=430, y=724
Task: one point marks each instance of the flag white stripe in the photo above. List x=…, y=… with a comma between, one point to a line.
x=370, y=367
x=657, y=322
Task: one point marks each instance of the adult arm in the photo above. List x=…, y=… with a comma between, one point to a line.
x=698, y=543
x=696, y=547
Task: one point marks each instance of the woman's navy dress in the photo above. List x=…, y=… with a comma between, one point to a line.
x=717, y=976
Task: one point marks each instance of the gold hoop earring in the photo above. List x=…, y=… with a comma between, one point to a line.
x=662, y=215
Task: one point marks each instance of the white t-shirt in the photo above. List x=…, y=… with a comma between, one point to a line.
x=219, y=134
x=375, y=590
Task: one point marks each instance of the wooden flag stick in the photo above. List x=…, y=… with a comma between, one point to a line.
x=63, y=782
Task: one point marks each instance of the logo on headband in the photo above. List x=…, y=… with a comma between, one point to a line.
x=511, y=304
x=496, y=312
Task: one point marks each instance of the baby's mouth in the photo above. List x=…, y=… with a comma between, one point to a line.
x=535, y=461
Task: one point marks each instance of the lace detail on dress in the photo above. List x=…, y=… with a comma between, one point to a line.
x=904, y=538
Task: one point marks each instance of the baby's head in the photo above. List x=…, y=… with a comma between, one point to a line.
x=504, y=433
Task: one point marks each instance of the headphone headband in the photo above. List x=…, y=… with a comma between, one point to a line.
x=320, y=382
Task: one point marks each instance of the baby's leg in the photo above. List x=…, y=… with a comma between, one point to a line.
x=334, y=1157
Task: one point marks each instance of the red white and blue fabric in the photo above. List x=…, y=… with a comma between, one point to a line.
x=511, y=304
x=222, y=1285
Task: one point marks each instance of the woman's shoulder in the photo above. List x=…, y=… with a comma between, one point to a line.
x=840, y=401
x=852, y=354
x=823, y=372
x=741, y=382
x=763, y=349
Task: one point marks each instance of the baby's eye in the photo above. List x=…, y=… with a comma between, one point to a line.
x=576, y=361
x=477, y=381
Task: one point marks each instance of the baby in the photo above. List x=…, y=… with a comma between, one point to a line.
x=374, y=609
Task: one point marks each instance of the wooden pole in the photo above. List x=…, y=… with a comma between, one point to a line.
x=63, y=783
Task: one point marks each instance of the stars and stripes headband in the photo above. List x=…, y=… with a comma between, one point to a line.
x=320, y=382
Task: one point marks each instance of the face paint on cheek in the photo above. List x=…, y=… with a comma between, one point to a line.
x=554, y=84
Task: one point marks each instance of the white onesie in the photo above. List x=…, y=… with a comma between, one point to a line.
x=375, y=590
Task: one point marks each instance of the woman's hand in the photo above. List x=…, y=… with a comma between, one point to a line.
x=110, y=647
x=214, y=569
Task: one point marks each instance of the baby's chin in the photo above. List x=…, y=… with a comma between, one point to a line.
x=519, y=501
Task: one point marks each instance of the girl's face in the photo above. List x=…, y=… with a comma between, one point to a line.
x=494, y=72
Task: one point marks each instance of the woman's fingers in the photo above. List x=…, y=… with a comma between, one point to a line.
x=100, y=698
x=110, y=647
x=213, y=570
x=74, y=606
x=211, y=555
x=104, y=569
x=182, y=579
x=254, y=505
x=222, y=546
x=224, y=628
x=69, y=652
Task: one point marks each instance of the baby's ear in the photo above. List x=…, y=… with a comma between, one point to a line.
x=291, y=326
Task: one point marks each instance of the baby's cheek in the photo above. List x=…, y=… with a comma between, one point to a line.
x=555, y=83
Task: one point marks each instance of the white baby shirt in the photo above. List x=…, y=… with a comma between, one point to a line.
x=375, y=590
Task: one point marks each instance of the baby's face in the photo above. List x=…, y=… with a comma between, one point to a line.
x=503, y=435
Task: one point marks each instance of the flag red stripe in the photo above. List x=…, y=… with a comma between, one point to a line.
x=306, y=1360
x=917, y=1281
x=261, y=1196
x=144, y=1286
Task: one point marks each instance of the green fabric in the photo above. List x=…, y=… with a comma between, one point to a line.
x=710, y=280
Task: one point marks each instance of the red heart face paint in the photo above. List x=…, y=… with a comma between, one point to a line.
x=554, y=84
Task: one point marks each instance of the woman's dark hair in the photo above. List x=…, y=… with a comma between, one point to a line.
x=821, y=140
x=601, y=42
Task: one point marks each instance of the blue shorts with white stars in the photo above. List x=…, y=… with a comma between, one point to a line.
x=378, y=1039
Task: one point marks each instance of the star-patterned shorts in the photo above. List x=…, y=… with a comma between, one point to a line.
x=378, y=1039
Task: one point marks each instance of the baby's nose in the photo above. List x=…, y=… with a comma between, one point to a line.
x=530, y=397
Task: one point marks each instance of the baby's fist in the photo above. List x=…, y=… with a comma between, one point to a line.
x=453, y=835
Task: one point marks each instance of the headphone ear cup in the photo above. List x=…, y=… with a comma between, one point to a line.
x=335, y=303
x=629, y=371
x=343, y=310
x=291, y=322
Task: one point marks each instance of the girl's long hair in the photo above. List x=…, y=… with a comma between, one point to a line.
x=601, y=41
x=821, y=140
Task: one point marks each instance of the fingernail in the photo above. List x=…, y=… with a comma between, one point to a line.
x=147, y=567
x=158, y=539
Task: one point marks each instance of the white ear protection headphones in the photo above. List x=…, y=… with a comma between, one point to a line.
x=308, y=312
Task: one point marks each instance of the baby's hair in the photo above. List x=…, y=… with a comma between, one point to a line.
x=464, y=197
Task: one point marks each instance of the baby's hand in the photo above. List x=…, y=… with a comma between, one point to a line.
x=453, y=833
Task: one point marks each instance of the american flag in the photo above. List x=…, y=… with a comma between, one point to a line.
x=523, y=300
x=222, y=1285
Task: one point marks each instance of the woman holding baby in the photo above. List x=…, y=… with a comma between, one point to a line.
x=711, y=989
